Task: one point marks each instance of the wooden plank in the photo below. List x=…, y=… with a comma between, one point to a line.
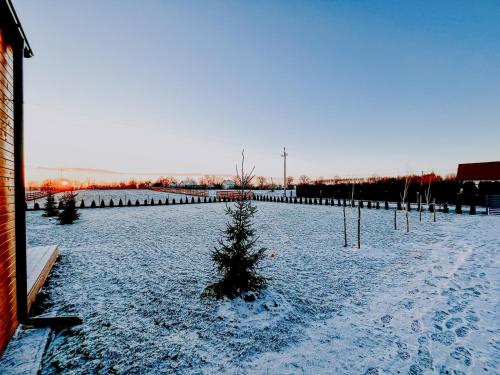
x=40, y=261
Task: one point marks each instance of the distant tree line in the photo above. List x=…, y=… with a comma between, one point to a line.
x=447, y=190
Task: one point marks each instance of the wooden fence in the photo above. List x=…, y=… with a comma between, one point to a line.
x=194, y=192
x=233, y=194
x=32, y=195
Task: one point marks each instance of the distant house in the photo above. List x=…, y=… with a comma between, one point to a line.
x=188, y=183
x=228, y=184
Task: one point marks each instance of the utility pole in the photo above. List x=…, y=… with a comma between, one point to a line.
x=284, y=155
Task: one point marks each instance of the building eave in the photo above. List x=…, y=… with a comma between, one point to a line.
x=28, y=52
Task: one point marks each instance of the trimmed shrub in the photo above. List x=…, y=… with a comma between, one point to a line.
x=472, y=210
x=129, y=203
x=386, y=205
x=93, y=205
x=111, y=203
x=102, y=203
x=120, y=203
x=36, y=206
x=82, y=204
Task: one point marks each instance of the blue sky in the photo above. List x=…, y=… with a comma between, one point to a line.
x=350, y=87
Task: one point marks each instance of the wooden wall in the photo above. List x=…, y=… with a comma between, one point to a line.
x=8, y=320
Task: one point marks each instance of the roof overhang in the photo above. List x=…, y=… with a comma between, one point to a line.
x=488, y=171
x=18, y=29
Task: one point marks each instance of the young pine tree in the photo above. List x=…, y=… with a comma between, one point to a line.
x=69, y=212
x=50, y=206
x=236, y=257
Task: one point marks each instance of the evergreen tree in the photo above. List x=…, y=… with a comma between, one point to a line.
x=69, y=212
x=50, y=206
x=236, y=257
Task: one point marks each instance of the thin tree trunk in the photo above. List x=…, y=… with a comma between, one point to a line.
x=434, y=208
x=420, y=206
x=359, y=227
x=395, y=219
x=345, y=230
x=407, y=222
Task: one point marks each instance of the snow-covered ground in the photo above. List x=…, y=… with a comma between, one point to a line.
x=423, y=302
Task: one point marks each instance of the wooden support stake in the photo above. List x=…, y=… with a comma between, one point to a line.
x=345, y=230
x=359, y=227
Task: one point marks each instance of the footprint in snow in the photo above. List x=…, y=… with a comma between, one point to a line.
x=446, y=338
x=386, y=319
x=439, y=316
x=453, y=322
x=415, y=326
x=424, y=358
x=462, y=331
x=443, y=370
x=463, y=355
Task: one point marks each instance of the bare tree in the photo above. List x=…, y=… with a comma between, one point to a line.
x=403, y=196
x=352, y=192
x=428, y=194
x=319, y=181
x=261, y=182
x=304, y=180
x=345, y=228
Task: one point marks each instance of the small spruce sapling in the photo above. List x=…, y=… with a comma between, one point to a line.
x=69, y=211
x=50, y=206
x=236, y=258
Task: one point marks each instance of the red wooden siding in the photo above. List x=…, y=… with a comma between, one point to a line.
x=8, y=319
x=489, y=171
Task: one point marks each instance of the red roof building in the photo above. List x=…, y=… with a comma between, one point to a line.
x=489, y=171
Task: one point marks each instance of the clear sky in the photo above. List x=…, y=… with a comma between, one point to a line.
x=349, y=87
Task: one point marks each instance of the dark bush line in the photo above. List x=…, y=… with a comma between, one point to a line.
x=445, y=191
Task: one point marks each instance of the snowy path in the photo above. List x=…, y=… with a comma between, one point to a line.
x=423, y=302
